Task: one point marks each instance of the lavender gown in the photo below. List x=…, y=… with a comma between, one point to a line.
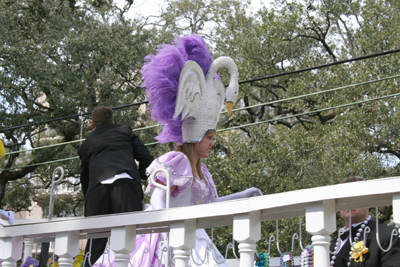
x=189, y=191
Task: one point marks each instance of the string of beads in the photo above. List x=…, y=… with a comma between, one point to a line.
x=263, y=261
x=356, y=239
x=307, y=257
x=287, y=259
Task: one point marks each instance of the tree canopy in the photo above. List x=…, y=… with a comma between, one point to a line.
x=60, y=58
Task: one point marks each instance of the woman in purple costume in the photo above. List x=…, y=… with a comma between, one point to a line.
x=191, y=182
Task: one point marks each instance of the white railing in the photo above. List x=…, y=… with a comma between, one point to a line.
x=318, y=205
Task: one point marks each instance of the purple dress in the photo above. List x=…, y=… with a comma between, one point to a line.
x=189, y=191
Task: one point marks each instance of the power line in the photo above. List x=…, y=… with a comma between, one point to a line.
x=322, y=66
x=41, y=147
x=68, y=117
x=238, y=109
x=71, y=142
x=242, y=82
x=316, y=93
x=58, y=160
x=241, y=126
x=309, y=112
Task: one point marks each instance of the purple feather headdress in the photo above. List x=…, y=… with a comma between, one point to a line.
x=161, y=78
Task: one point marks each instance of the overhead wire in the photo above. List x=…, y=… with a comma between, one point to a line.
x=68, y=117
x=71, y=142
x=316, y=93
x=58, y=160
x=242, y=82
x=241, y=126
x=309, y=112
x=322, y=66
x=238, y=109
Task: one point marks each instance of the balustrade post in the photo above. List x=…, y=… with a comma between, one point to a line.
x=396, y=208
x=66, y=247
x=247, y=231
x=10, y=250
x=321, y=222
x=123, y=242
x=28, y=247
x=182, y=238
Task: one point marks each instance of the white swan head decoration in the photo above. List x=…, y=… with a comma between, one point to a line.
x=200, y=99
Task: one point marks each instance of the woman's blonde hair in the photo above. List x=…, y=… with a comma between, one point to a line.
x=188, y=150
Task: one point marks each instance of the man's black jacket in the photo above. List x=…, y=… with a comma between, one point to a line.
x=109, y=150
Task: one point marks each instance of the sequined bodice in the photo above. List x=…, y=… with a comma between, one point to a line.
x=189, y=190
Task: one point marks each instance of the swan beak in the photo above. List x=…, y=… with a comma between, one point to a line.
x=229, y=106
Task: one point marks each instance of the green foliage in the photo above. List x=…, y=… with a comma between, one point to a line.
x=19, y=195
x=64, y=205
x=58, y=61
x=321, y=148
x=60, y=58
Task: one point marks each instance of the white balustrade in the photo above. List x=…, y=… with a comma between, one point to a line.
x=10, y=250
x=182, y=238
x=247, y=231
x=28, y=247
x=396, y=208
x=123, y=242
x=318, y=205
x=66, y=247
x=321, y=222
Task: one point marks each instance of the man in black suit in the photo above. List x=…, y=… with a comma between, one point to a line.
x=110, y=179
x=371, y=255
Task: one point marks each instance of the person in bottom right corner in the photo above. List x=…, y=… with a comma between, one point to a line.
x=370, y=254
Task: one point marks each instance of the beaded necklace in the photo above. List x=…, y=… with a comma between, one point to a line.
x=356, y=239
x=306, y=259
x=263, y=260
x=287, y=259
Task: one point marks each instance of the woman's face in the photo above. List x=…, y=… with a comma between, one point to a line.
x=203, y=149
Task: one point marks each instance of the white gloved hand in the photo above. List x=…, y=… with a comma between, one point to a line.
x=250, y=192
x=7, y=215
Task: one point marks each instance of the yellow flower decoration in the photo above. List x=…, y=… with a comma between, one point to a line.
x=2, y=150
x=79, y=259
x=356, y=255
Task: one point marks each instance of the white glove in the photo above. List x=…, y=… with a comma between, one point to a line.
x=250, y=192
x=7, y=215
x=158, y=199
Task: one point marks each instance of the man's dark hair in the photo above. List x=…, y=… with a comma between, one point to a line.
x=352, y=179
x=102, y=115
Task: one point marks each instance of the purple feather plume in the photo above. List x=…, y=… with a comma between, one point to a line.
x=161, y=78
